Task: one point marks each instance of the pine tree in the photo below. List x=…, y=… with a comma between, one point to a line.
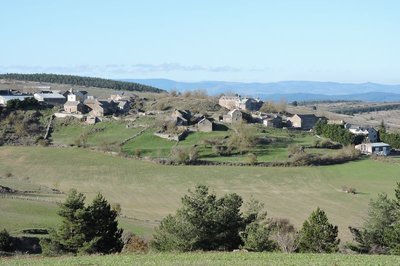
x=71, y=233
x=102, y=235
x=318, y=235
x=204, y=222
x=91, y=229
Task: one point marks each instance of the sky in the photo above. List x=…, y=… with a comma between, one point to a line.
x=187, y=40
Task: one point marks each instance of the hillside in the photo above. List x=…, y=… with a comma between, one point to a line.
x=82, y=81
x=148, y=192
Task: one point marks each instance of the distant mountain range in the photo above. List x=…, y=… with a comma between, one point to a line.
x=289, y=90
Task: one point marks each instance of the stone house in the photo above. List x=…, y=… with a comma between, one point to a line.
x=101, y=107
x=378, y=148
x=74, y=107
x=302, y=121
x=228, y=102
x=238, y=102
x=273, y=121
x=181, y=117
x=205, y=125
x=233, y=116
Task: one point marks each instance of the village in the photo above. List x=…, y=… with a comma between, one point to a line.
x=178, y=123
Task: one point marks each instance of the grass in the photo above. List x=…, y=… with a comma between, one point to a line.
x=149, y=145
x=156, y=147
x=111, y=132
x=210, y=258
x=148, y=192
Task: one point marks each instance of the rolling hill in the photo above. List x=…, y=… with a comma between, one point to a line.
x=290, y=90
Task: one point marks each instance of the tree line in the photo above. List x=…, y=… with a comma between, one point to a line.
x=367, y=109
x=337, y=133
x=205, y=222
x=82, y=81
x=393, y=139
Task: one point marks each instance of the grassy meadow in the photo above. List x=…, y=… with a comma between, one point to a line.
x=110, y=134
x=209, y=258
x=148, y=192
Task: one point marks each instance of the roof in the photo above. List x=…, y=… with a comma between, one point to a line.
x=306, y=116
x=50, y=95
x=15, y=97
x=72, y=103
x=205, y=120
x=122, y=103
x=232, y=111
x=378, y=144
x=72, y=91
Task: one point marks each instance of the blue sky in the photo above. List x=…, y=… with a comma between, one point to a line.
x=187, y=40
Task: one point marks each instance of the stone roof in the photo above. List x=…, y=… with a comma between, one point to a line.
x=72, y=103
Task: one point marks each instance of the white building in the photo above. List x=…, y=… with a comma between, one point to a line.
x=370, y=133
x=378, y=148
x=76, y=96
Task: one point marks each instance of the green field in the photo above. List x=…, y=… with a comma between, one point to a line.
x=210, y=258
x=113, y=132
x=147, y=192
x=108, y=135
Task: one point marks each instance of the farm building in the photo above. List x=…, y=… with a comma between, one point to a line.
x=303, y=121
x=205, y=125
x=50, y=98
x=233, y=116
x=5, y=98
x=273, y=121
x=378, y=148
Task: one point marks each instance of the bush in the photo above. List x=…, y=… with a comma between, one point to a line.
x=350, y=190
x=184, y=155
x=222, y=150
x=136, y=244
x=242, y=138
x=327, y=144
x=284, y=235
x=252, y=158
x=6, y=242
x=256, y=237
x=294, y=149
x=138, y=153
x=204, y=222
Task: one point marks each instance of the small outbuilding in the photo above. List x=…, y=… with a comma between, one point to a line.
x=273, y=121
x=233, y=116
x=205, y=125
x=378, y=148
